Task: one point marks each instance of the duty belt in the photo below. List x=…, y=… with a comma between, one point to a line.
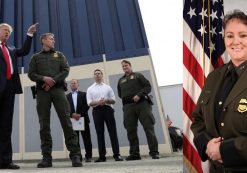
x=130, y=100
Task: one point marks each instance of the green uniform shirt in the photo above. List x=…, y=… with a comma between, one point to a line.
x=134, y=84
x=52, y=63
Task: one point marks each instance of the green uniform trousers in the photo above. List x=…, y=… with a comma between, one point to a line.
x=59, y=100
x=141, y=111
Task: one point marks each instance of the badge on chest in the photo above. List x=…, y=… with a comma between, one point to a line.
x=55, y=55
x=242, y=107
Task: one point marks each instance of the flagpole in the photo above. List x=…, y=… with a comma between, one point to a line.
x=203, y=44
x=209, y=33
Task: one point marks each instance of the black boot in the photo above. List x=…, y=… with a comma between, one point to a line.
x=133, y=157
x=76, y=161
x=45, y=163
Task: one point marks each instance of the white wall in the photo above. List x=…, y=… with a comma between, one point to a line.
x=171, y=97
x=25, y=136
x=229, y=5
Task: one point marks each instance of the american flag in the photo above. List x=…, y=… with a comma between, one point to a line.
x=203, y=49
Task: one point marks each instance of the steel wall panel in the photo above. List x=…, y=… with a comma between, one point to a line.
x=84, y=29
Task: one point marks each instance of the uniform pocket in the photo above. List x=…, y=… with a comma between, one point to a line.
x=152, y=119
x=55, y=65
x=244, y=132
x=41, y=65
x=40, y=60
x=204, y=104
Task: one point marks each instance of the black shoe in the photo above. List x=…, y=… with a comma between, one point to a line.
x=155, y=156
x=76, y=161
x=133, y=157
x=100, y=159
x=118, y=158
x=45, y=163
x=10, y=166
x=88, y=159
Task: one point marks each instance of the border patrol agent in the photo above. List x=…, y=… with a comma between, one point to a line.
x=220, y=117
x=133, y=89
x=48, y=69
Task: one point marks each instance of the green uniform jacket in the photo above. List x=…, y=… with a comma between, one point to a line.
x=52, y=63
x=233, y=120
x=134, y=84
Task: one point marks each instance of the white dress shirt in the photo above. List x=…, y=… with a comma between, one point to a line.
x=100, y=91
x=74, y=98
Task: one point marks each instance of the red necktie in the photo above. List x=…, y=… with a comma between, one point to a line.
x=7, y=59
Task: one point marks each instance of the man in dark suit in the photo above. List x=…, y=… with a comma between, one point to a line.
x=9, y=86
x=79, y=108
